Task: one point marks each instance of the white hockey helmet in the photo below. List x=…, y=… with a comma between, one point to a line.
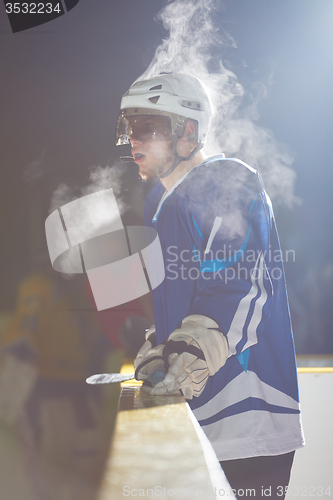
x=177, y=96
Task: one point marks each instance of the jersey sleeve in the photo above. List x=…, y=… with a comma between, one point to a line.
x=234, y=286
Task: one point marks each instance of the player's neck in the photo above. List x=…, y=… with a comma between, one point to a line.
x=182, y=169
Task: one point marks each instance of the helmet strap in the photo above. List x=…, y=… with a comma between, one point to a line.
x=178, y=159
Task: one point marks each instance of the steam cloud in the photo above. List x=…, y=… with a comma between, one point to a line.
x=100, y=178
x=35, y=169
x=233, y=131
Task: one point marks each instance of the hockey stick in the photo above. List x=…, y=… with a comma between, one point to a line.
x=109, y=378
x=112, y=378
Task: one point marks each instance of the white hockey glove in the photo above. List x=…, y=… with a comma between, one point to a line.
x=149, y=343
x=193, y=352
x=149, y=363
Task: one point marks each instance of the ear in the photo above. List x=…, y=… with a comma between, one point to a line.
x=190, y=129
x=187, y=142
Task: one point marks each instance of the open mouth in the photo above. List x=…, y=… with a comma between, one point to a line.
x=138, y=157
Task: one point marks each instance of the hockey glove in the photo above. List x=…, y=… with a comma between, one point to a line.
x=149, y=363
x=149, y=343
x=193, y=352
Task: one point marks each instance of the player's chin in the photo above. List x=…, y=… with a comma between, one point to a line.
x=147, y=174
x=144, y=176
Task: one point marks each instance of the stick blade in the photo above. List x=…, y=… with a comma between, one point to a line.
x=109, y=378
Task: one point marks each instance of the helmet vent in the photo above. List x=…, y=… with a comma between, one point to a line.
x=157, y=87
x=192, y=105
x=154, y=99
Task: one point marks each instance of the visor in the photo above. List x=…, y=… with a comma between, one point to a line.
x=143, y=125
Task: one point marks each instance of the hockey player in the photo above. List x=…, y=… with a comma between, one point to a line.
x=222, y=323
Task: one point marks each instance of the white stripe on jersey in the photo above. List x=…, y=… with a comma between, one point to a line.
x=235, y=333
x=255, y=433
x=215, y=228
x=245, y=385
x=257, y=313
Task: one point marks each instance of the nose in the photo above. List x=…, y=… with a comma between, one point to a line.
x=134, y=141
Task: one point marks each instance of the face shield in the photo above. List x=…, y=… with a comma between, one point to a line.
x=143, y=127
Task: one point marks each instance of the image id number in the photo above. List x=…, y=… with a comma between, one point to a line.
x=32, y=8
x=304, y=491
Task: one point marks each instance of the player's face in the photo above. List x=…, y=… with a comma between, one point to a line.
x=151, y=142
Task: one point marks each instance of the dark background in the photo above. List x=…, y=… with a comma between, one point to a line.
x=61, y=84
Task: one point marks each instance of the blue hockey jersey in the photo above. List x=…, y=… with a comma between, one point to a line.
x=223, y=260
